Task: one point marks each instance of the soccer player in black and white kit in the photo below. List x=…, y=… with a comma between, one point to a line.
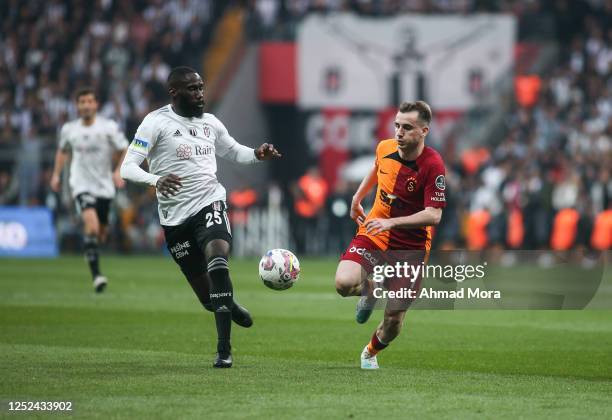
x=96, y=145
x=180, y=142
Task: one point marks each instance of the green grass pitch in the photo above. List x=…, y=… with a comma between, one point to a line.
x=144, y=349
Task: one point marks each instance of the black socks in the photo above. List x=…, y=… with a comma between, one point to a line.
x=92, y=254
x=222, y=300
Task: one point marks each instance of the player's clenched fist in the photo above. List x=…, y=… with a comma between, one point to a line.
x=169, y=185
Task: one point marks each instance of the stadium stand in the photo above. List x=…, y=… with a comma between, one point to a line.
x=560, y=118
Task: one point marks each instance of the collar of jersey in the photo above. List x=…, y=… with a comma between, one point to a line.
x=184, y=118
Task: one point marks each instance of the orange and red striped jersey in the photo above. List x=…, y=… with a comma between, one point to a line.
x=405, y=188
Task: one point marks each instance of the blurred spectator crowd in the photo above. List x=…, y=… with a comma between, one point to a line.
x=547, y=183
x=277, y=18
x=49, y=48
x=555, y=155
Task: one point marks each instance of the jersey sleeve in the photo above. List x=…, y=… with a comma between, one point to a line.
x=435, y=185
x=144, y=140
x=228, y=148
x=64, y=140
x=117, y=137
x=145, y=137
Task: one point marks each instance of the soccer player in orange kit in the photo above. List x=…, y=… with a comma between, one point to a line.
x=409, y=199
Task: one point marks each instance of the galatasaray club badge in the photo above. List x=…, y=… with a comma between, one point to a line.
x=411, y=184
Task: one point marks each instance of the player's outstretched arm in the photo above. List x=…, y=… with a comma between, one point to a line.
x=430, y=216
x=357, y=212
x=228, y=148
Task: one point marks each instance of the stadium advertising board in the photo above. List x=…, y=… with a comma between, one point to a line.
x=27, y=232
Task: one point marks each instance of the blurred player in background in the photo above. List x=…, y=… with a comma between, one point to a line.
x=180, y=142
x=409, y=199
x=97, y=147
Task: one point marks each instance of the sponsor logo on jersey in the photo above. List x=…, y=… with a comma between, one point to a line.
x=366, y=254
x=438, y=196
x=140, y=144
x=411, y=184
x=183, y=151
x=180, y=249
x=441, y=182
x=92, y=149
x=193, y=132
x=177, y=133
x=387, y=198
x=391, y=200
x=207, y=150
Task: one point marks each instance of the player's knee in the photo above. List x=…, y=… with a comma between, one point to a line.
x=344, y=284
x=91, y=229
x=343, y=290
x=217, y=248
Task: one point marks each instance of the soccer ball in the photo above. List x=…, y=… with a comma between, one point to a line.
x=279, y=269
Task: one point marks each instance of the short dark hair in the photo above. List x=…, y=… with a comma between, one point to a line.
x=85, y=90
x=177, y=75
x=421, y=107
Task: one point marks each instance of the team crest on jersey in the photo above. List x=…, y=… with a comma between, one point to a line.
x=411, y=184
x=193, y=132
x=206, y=131
x=183, y=151
x=441, y=182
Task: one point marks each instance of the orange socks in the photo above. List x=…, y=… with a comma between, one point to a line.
x=375, y=345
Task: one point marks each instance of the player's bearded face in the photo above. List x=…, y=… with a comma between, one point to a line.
x=409, y=132
x=87, y=106
x=191, y=95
